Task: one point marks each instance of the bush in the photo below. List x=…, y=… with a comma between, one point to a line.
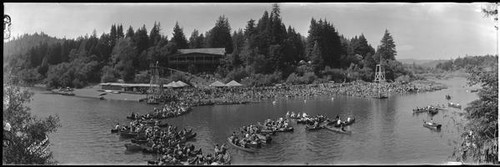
x=108, y=74
x=337, y=75
x=403, y=79
x=237, y=74
x=262, y=79
x=142, y=77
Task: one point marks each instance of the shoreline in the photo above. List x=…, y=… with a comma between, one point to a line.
x=244, y=95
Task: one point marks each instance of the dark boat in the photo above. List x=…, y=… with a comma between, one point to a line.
x=338, y=130
x=241, y=148
x=287, y=129
x=380, y=97
x=255, y=144
x=128, y=134
x=432, y=125
x=264, y=138
x=133, y=147
x=311, y=128
x=101, y=97
x=115, y=130
x=139, y=141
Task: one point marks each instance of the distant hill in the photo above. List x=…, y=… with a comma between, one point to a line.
x=24, y=43
x=422, y=62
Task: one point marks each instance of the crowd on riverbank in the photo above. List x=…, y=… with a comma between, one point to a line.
x=239, y=95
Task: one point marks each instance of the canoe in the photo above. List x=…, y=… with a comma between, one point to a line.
x=311, y=128
x=132, y=118
x=287, y=129
x=255, y=144
x=115, y=130
x=350, y=122
x=128, y=134
x=241, y=148
x=133, y=147
x=431, y=125
x=338, y=130
x=227, y=159
x=139, y=141
x=264, y=138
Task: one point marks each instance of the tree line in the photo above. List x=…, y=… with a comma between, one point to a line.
x=265, y=52
x=463, y=63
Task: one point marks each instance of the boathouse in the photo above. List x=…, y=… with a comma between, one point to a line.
x=202, y=59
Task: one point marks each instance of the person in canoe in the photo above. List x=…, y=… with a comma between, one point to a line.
x=316, y=124
x=117, y=126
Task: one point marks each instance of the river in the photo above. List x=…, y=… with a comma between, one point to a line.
x=385, y=132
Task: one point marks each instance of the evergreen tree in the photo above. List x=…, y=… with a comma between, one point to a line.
x=179, y=38
x=154, y=35
x=130, y=32
x=196, y=40
x=220, y=35
x=387, y=49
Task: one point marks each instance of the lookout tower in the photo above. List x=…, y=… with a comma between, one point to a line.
x=155, y=87
x=379, y=73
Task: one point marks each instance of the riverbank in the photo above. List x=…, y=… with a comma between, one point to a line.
x=93, y=92
x=243, y=95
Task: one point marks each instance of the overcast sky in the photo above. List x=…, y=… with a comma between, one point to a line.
x=420, y=30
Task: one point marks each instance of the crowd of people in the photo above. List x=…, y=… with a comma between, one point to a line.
x=240, y=95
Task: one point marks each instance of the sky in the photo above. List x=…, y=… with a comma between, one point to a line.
x=420, y=30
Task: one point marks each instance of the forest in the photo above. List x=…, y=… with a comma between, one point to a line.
x=265, y=52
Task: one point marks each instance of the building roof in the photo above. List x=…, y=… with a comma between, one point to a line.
x=215, y=51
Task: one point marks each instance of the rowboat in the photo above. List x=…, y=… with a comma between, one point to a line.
x=264, y=139
x=128, y=134
x=241, y=148
x=338, y=130
x=432, y=125
x=287, y=129
x=133, y=147
x=311, y=128
x=115, y=130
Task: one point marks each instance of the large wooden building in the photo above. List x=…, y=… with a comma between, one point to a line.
x=202, y=59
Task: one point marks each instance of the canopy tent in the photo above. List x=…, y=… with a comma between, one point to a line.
x=171, y=84
x=182, y=84
x=217, y=84
x=233, y=83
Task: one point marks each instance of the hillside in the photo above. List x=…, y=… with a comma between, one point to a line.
x=22, y=44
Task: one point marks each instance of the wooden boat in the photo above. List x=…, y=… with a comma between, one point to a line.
x=264, y=138
x=287, y=129
x=241, y=148
x=432, y=125
x=133, y=147
x=139, y=141
x=227, y=159
x=255, y=144
x=311, y=128
x=347, y=123
x=338, y=130
x=115, y=130
x=128, y=134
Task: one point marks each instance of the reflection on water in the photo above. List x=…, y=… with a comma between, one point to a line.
x=385, y=132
